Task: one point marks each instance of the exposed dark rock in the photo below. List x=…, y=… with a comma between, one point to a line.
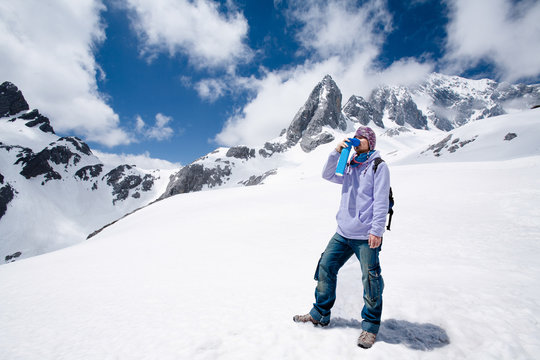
x=311, y=142
x=359, y=110
x=89, y=172
x=57, y=152
x=535, y=107
x=442, y=123
x=399, y=105
x=450, y=146
x=510, y=136
x=323, y=108
x=38, y=164
x=193, y=177
x=22, y=150
x=7, y=193
x=396, y=132
x=37, y=119
x=122, y=182
x=11, y=100
x=241, y=152
x=456, y=144
x=147, y=182
x=438, y=146
x=256, y=180
x=271, y=148
x=13, y=257
x=78, y=143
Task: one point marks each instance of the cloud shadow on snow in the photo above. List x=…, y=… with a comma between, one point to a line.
x=415, y=336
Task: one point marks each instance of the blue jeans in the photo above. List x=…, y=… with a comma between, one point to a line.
x=338, y=251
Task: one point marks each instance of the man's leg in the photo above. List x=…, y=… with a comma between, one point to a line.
x=336, y=254
x=373, y=285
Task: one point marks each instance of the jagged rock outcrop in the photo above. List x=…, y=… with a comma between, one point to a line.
x=124, y=181
x=450, y=146
x=270, y=148
x=241, y=152
x=399, y=106
x=193, y=177
x=322, y=108
x=256, y=180
x=34, y=118
x=6, y=195
x=359, y=110
x=59, y=153
x=12, y=100
x=89, y=172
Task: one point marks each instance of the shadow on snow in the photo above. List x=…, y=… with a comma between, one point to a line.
x=413, y=335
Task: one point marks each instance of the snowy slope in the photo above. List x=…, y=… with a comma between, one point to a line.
x=502, y=137
x=219, y=274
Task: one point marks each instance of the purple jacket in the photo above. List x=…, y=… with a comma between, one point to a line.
x=364, y=197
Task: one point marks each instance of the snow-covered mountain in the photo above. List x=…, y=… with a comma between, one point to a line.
x=53, y=190
x=423, y=112
x=65, y=193
x=220, y=274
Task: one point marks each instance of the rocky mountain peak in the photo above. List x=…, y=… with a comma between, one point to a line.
x=358, y=110
x=322, y=108
x=398, y=105
x=11, y=100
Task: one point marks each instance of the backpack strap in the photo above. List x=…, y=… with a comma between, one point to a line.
x=390, y=210
x=376, y=163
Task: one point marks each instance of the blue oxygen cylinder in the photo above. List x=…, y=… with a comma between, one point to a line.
x=344, y=157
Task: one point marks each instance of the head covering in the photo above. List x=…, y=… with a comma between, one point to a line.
x=368, y=134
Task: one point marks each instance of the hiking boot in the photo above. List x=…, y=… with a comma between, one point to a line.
x=308, y=318
x=366, y=339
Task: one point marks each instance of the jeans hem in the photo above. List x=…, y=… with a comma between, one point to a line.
x=370, y=327
x=324, y=320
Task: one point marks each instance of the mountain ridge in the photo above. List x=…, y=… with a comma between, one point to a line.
x=411, y=123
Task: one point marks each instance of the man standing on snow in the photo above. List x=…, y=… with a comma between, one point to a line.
x=361, y=222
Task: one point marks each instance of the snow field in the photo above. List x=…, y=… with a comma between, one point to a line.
x=219, y=274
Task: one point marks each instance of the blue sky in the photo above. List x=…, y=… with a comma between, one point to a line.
x=174, y=79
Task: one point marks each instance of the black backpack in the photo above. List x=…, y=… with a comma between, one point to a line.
x=376, y=163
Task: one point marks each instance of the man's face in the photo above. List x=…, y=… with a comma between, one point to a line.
x=364, y=145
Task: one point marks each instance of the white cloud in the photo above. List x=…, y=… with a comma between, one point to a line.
x=143, y=161
x=160, y=131
x=340, y=27
x=209, y=37
x=502, y=32
x=211, y=89
x=47, y=52
x=346, y=41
